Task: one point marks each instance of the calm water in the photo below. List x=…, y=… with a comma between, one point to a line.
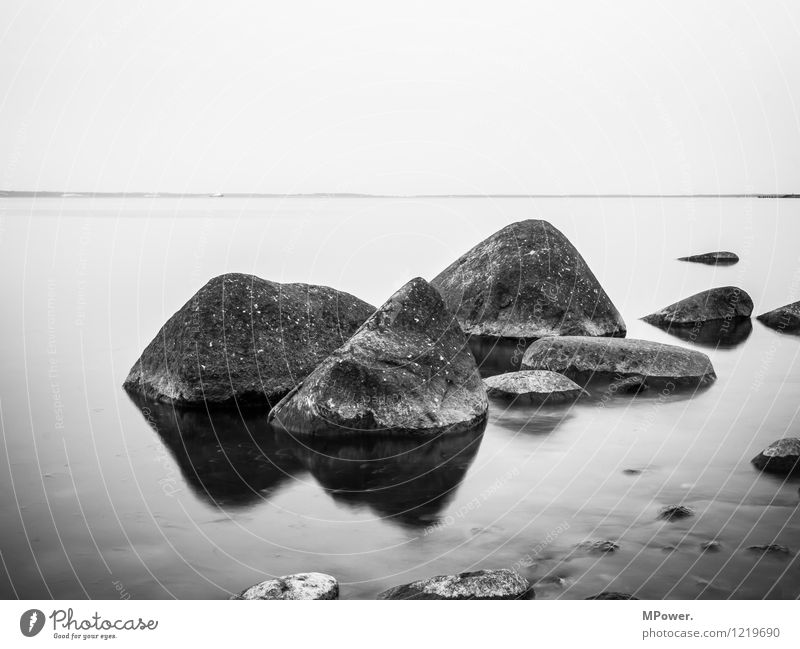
x=99, y=494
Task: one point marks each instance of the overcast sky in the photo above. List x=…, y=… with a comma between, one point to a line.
x=403, y=97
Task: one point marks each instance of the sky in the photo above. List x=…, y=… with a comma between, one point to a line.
x=400, y=98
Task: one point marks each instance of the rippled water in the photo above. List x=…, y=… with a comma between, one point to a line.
x=102, y=495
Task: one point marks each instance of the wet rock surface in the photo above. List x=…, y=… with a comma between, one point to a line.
x=482, y=584
x=718, y=258
x=304, y=585
x=629, y=385
x=533, y=386
x=407, y=370
x=675, y=513
x=785, y=318
x=726, y=303
x=598, y=546
x=782, y=457
x=582, y=357
x=770, y=548
x=242, y=340
x=527, y=281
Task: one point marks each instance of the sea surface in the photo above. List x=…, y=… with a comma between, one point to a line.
x=103, y=497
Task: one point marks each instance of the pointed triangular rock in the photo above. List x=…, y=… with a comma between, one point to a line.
x=244, y=340
x=527, y=281
x=408, y=368
x=785, y=318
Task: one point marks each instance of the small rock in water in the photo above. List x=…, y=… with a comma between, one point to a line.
x=770, y=548
x=629, y=385
x=720, y=257
x=632, y=471
x=482, y=584
x=782, y=457
x=304, y=585
x=598, y=547
x=785, y=318
x=727, y=303
x=711, y=546
x=609, y=594
x=675, y=513
x=534, y=386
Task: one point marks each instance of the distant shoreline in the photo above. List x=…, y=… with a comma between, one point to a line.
x=52, y=194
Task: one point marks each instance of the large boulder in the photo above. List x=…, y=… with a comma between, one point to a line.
x=782, y=456
x=527, y=281
x=785, y=318
x=482, y=584
x=303, y=585
x=582, y=357
x=718, y=258
x=407, y=369
x=534, y=386
x=244, y=340
x=727, y=303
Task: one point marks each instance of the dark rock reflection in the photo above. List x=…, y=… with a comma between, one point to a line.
x=234, y=459
x=498, y=355
x=407, y=480
x=229, y=458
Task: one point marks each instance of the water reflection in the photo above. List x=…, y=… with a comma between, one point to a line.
x=234, y=459
x=406, y=480
x=229, y=458
x=716, y=333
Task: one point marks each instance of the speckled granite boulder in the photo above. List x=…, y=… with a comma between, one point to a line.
x=718, y=258
x=534, y=386
x=785, y=318
x=782, y=456
x=304, y=585
x=723, y=303
x=407, y=370
x=580, y=357
x=482, y=584
x=527, y=281
x=242, y=340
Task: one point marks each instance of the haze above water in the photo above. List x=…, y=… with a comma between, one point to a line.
x=101, y=493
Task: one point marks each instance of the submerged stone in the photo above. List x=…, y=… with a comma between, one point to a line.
x=785, y=318
x=534, y=386
x=408, y=369
x=304, y=585
x=675, y=512
x=242, y=340
x=770, y=548
x=527, y=281
x=726, y=303
x=598, y=546
x=722, y=258
x=782, y=456
x=581, y=357
x=609, y=594
x=482, y=584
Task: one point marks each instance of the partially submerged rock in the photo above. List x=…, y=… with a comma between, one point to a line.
x=534, y=386
x=527, y=281
x=782, y=456
x=242, y=340
x=721, y=258
x=711, y=546
x=714, y=333
x=581, y=357
x=482, y=584
x=726, y=303
x=610, y=594
x=304, y=585
x=675, y=512
x=407, y=369
x=785, y=318
x=770, y=548
x=601, y=546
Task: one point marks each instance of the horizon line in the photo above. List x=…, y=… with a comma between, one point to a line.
x=168, y=194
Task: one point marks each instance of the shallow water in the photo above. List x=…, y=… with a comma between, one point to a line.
x=101, y=495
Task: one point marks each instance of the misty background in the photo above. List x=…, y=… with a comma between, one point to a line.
x=413, y=97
